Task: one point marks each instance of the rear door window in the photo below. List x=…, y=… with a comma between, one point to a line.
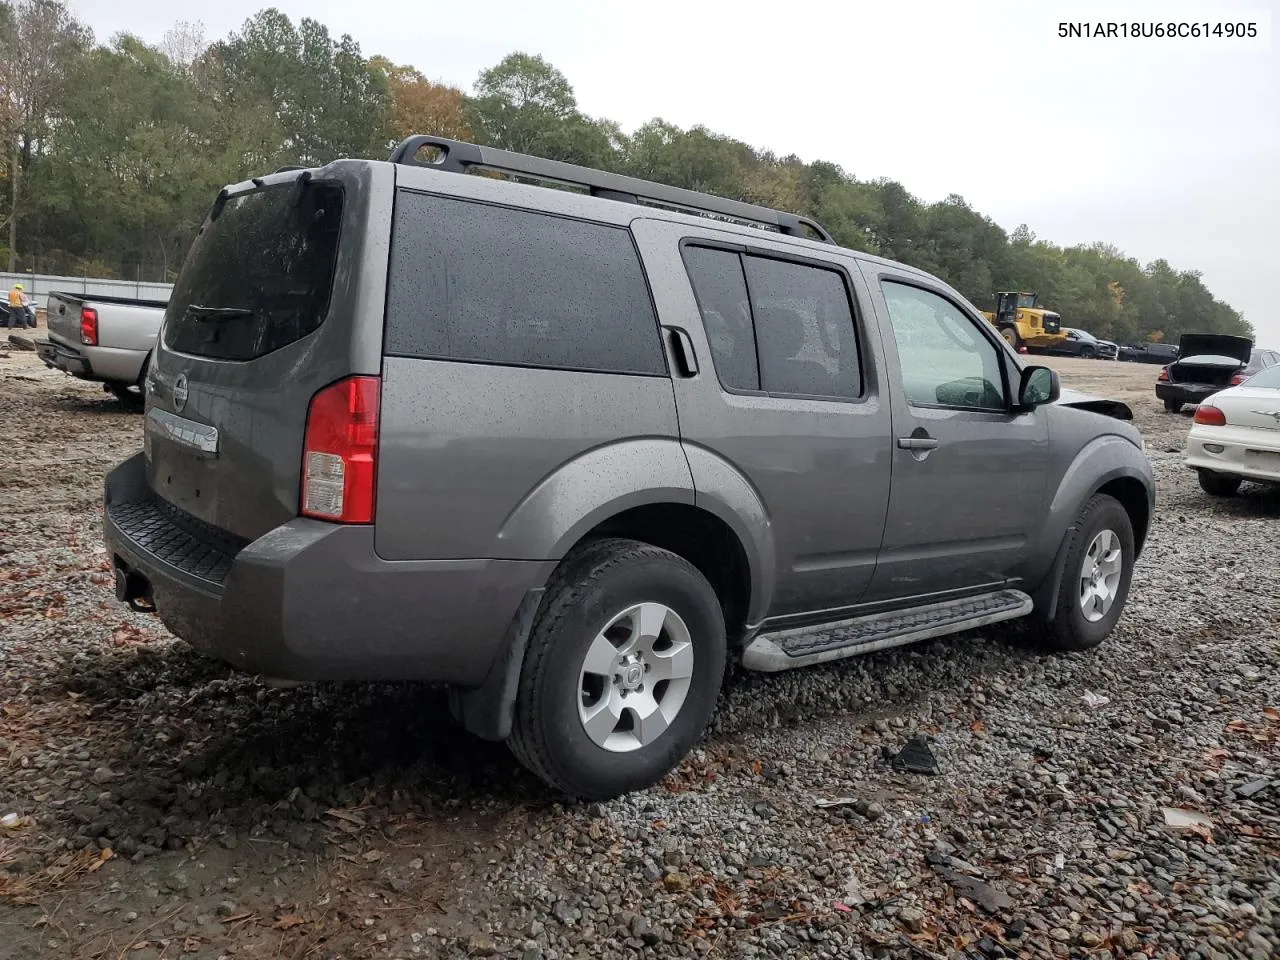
x=804, y=328
x=721, y=291
x=258, y=276
x=488, y=284
x=776, y=326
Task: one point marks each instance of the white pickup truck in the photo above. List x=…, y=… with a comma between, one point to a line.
x=104, y=339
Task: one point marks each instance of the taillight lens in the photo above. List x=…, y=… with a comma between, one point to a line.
x=1164, y=374
x=89, y=326
x=340, y=453
x=1210, y=416
x=1238, y=379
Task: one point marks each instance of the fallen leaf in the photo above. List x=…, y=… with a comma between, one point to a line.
x=373, y=856
x=1271, y=713
x=978, y=726
x=288, y=921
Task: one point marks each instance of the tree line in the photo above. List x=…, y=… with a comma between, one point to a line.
x=114, y=151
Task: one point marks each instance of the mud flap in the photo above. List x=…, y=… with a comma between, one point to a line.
x=487, y=711
x=1046, y=595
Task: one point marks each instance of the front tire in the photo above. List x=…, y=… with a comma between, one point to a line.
x=1219, y=484
x=1011, y=337
x=1088, y=353
x=622, y=672
x=1095, y=577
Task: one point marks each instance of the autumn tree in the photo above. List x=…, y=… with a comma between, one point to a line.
x=420, y=106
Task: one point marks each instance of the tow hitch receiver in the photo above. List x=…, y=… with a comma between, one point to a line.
x=133, y=589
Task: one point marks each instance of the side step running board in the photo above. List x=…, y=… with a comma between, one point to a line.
x=804, y=646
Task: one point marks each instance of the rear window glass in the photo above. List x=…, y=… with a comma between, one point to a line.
x=490, y=284
x=259, y=276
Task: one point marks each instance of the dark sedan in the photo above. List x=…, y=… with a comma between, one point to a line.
x=1149, y=352
x=1082, y=343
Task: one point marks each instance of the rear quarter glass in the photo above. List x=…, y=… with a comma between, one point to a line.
x=484, y=283
x=259, y=276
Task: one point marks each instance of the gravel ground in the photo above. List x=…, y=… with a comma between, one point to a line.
x=155, y=805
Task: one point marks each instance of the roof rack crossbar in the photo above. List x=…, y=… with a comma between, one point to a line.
x=455, y=156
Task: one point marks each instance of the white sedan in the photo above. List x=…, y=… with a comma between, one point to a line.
x=1236, y=435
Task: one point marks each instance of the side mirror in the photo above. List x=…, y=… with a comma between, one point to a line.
x=1039, y=385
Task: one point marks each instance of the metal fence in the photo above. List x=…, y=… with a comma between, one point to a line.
x=38, y=286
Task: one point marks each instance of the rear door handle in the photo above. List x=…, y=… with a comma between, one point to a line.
x=917, y=443
x=682, y=346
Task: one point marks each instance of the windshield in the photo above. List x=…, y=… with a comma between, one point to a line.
x=1026, y=301
x=259, y=275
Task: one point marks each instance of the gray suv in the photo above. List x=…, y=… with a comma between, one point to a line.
x=570, y=451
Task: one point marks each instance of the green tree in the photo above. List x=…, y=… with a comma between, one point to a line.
x=527, y=105
x=42, y=44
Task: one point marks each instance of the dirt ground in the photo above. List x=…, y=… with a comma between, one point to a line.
x=162, y=807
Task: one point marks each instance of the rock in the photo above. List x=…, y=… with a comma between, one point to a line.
x=103, y=775
x=1253, y=788
x=675, y=882
x=1061, y=935
x=1127, y=939
x=642, y=929
x=226, y=909
x=912, y=919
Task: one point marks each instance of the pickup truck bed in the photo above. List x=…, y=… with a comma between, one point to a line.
x=104, y=339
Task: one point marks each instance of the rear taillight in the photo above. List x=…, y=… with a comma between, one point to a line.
x=89, y=326
x=1238, y=379
x=1210, y=416
x=1164, y=374
x=340, y=453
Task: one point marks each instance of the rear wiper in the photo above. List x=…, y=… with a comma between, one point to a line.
x=198, y=312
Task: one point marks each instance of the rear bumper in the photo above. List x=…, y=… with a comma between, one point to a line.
x=312, y=600
x=64, y=358
x=1235, y=451
x=1186, y=392
x=106, y=364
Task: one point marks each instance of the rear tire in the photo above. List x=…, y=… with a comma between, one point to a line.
x=1095, y=577
x=1219, y=484
x=128, y=394
x=586, y=690
x=1172, y=406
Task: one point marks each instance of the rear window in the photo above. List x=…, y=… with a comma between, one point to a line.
x=259, y=276
x=489, y=284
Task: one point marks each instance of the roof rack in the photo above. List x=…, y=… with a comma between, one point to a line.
x=456, y=156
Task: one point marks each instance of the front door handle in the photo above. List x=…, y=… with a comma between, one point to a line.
x=917, y=443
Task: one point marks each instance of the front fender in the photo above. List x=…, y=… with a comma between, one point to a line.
x=1101, y=461
x=591, y=488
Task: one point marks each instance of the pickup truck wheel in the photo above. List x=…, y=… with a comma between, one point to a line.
x=1088, y=353
x=1095, y=577
x=128, y=394
x=1172, y=406
x=1219, y=484
x=622, y=671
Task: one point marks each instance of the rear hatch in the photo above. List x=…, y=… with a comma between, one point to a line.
x=274, y=302
x=1210, y=358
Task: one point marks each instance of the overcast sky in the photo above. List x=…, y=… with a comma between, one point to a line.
x=1165, y=148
